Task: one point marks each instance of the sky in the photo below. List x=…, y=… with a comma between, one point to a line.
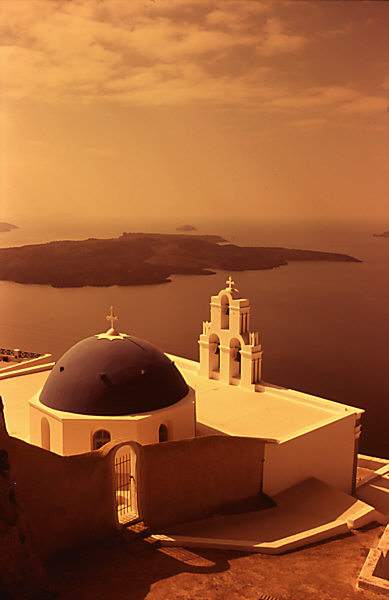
x=194, y=110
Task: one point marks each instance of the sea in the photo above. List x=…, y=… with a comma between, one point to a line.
x=324, y=326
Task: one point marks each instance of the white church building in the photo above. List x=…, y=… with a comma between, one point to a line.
x=113, y=386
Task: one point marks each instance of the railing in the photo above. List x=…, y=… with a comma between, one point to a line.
x=123, y=486
x=17, y=354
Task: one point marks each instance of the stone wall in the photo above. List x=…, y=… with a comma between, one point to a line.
x=194, y=478
x=69, y=501
x=66, y=501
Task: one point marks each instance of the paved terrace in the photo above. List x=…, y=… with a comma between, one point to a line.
x=133, y=566
x=307, y=512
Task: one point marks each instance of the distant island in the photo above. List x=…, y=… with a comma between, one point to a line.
x=141, y=258
x=186, y=228
x=7, y=227
x=384, y=234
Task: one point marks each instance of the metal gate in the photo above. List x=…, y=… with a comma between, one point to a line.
x=125, y=485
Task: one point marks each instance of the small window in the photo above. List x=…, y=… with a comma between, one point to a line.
x=100, y=437
x=163, y=433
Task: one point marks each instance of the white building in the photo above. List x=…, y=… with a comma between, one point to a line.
x=115, y=386
x=305, y=436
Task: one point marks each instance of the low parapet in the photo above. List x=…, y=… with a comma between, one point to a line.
x=28, y=363
x=375, y=572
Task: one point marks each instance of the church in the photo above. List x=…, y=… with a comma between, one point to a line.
x=113, y=386
x=170, y=440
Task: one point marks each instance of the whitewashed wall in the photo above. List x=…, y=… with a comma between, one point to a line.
x=72, y=434
x=326, y=453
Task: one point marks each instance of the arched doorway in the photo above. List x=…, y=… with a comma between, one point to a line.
x=125, y=484
x=45, y=433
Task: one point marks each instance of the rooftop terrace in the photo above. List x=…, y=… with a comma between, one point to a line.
x=273, y=413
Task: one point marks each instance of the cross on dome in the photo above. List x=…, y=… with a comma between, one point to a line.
x=112, y=333
x=112, y=317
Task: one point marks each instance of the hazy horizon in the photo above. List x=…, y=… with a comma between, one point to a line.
x=298, y=233
x=194, y=111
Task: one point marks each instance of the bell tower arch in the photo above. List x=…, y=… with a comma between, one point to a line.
x=229, y=350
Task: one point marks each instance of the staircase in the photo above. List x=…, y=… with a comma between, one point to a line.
x=374, y=490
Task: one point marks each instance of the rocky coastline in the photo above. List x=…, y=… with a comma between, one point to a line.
x=141, y=259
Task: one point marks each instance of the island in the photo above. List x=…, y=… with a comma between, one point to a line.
x=141, y=258
x=385, y=234
x=7, y=227
x=186, y=228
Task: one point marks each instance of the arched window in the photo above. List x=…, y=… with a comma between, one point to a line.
x=45, y=434
x=214, y=354
x=100, y=437
x=235, y=359
x=225, y=313
x=163, y=433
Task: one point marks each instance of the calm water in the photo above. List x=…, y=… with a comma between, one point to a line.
x=324, y=327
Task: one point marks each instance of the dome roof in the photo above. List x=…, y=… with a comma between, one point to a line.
x=111, y=375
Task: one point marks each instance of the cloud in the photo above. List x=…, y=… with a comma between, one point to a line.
x=177, y=85
x=309, y=124
x=236, y=15
x=278, y=41
x=36, y=75
x=56, y=51
x=367, y=104
x=314, y=97
x=346, y=29
x=165, y=53
x=225, y=18
x=163, y=41
x=385, y=83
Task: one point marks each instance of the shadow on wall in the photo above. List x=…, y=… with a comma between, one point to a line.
x=70, y=501
x=66, y=501
x=191, y=479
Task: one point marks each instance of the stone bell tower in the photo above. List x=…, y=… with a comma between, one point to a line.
x=229, y=351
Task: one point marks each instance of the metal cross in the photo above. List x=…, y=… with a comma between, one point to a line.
x=112, y=317
x=230, y=283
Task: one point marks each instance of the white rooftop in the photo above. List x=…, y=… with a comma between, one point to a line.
x=16, y=392
x=275, y=414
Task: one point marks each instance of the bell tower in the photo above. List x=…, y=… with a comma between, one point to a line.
x=229, y=351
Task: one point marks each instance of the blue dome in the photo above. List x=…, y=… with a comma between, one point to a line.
x=114, y=376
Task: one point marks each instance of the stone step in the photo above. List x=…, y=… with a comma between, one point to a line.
x=375, y=494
